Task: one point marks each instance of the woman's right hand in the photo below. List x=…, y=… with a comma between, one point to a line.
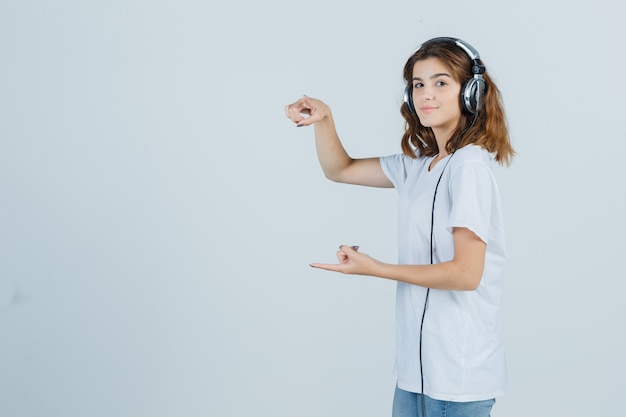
x=307, y=111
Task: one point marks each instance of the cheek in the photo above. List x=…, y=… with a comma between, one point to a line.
x=454, y=100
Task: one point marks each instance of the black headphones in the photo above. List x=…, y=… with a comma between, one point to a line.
x=473, y=90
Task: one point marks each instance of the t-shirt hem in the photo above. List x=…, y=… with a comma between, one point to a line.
x=462, y=398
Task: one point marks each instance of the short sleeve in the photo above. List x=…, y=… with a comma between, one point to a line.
x=472, y=190
x=395, y=168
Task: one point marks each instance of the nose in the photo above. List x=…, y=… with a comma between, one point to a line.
x=424, y=93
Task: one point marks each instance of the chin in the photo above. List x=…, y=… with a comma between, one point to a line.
x=425, y=123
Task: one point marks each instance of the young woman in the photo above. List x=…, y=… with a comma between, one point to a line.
x=449, y=354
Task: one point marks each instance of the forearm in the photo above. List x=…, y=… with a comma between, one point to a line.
x=449, y=275
x=330, y=152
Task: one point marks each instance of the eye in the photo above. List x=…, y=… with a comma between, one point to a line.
x=418, y=85
x=441, y=83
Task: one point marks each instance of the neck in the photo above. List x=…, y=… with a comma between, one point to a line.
x=442, y=138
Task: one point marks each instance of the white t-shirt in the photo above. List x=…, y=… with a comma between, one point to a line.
x=462, y=348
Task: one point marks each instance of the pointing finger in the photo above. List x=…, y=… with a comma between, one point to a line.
x=327, y=267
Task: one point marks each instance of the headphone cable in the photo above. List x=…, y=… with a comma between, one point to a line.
x=432, y=227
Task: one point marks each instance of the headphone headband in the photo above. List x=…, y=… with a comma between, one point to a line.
x=477, y=67
x=469, y=49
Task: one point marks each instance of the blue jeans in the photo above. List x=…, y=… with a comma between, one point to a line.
x=409, y=404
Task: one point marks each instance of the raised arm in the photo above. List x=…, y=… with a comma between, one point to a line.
x=337, y=165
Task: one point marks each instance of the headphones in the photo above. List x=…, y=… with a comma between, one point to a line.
x=473, y=89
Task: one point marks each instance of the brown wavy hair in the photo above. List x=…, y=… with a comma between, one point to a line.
x=486, y=128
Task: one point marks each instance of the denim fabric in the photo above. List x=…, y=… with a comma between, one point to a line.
x=409, y=404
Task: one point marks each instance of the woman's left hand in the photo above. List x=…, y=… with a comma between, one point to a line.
x=350, y=262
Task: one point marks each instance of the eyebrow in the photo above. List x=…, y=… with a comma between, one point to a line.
x=441, y=74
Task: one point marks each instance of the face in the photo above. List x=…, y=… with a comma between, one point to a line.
x=436, y=96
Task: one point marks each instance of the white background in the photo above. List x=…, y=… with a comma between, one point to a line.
x=158, y=212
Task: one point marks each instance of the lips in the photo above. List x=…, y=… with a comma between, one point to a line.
x=428, y=110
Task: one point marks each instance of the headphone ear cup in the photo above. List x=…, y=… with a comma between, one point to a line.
x=472, y=94
x=408, y=100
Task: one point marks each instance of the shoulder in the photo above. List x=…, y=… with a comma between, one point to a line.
x=401, y=160
x=472, y=163
x=397, y=167
x=471, y=156
x=473, y=153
